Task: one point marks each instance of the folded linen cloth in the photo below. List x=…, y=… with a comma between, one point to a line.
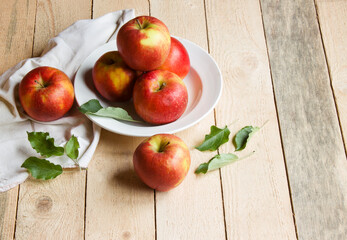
x=65, y=52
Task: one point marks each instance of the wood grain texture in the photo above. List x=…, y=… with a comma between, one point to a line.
x=332, y=18
x=101, y=7
x=53, y=16
x=313, y=147
x=256, y=196
x=45, y=208
x=119, y=205
x=16, y=37
x=16, y=31
x=194, y=209
x=8, y=207
x=52, y=209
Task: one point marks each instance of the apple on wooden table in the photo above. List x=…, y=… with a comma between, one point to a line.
x=178, y=60
x=46, y=93
x=162, y=161
x=144, y=43
x=112, y=78
x=160, y=97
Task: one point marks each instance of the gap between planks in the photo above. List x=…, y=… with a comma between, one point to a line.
x=154, y=191
x=15, y=221
x=310, y=70
x=85, y=204
x=330, y=78
x=86, y=173
x=32, y=55
x=215, y=123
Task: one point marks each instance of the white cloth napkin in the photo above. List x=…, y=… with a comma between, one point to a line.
x=65, y=52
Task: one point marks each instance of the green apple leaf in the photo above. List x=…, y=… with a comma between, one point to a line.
x=91, y=106
x=114, y=112
x=216, y=138
x=243, y=136
x=203, y=168
x=71, y=149
x=41, y=168
x=217, y=162
x=44, y=145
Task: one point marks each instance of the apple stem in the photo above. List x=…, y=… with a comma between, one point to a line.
x=248, y=155
x=163, y=147
x=40, y=84
x=264, y=124
x=138, y=22
x=162, y=86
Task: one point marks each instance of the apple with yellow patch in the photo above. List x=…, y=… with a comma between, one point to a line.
x=162, y=161
x=160, y=97
x=144, y=43
x=112, y=78
x=46, y=93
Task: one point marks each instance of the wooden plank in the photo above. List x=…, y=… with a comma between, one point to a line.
x=332, y=18
x=45, y=208
x=55, y=16
x=313, y=147
x=193, y=210
x=16, y=30
x=256, y=194
x=119, y=205
x=8, y=207
x=52, y=209
x=101, y=7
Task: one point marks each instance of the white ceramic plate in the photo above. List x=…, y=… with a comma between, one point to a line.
x=204, y=84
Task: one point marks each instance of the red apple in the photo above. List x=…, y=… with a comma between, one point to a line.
x=46, y=93
x=162, y=161
x=178, y=60
x=144, y=43
x=160, y=97
x=113, y=79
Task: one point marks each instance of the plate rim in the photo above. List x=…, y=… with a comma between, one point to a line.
x=184, y=127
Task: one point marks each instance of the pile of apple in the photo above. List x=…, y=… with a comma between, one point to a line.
x=149, y=66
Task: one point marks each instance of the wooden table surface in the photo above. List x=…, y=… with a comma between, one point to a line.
x=284, y=62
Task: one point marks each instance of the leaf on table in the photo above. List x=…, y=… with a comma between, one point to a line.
x=217, y=162
x=243, y=136
x=44, y=145
x=203, y=168
x=216, y=138
x=71, y=148
x=91, y=106
x=41, y=168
